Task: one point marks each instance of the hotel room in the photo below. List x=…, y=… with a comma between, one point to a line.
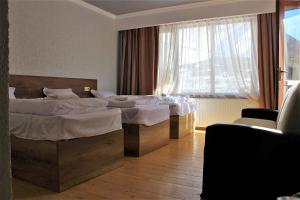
x=143, y=99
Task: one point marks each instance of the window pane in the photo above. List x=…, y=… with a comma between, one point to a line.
x=292, y=43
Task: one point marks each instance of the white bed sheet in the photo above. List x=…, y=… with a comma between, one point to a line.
x=63, y=127
x=53, y=107
x=145, y=114
x=178, y=105
x=182, y=109
x=138, y=99
x=143, y=99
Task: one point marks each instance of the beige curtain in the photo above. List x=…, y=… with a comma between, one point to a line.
x=138, y=60
x=267, y=59
x=5, y=167
x=220, y=46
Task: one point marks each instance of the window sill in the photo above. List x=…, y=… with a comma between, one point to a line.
x=217, y=97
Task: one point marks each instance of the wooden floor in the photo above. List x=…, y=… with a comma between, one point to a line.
x=172, y=172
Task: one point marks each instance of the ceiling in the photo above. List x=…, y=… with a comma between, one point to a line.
x=119, y=7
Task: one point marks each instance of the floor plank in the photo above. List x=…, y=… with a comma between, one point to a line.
x=172, y=172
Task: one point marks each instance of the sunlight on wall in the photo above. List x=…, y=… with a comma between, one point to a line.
x=210, y=111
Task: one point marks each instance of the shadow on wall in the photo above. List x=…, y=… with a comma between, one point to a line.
x=218, y=110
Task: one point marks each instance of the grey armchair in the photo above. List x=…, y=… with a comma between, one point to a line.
x=257, y=157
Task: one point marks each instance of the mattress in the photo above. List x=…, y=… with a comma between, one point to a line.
x=145, y=114
x=64, y=127
x=51, y=107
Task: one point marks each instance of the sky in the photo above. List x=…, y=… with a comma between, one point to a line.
x=292, y=23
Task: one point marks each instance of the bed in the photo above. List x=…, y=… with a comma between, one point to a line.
x=146, y=127
x=181, y=112
x=62, y=156
x=182, y=120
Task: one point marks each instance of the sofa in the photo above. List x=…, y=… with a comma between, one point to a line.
x=257, y=156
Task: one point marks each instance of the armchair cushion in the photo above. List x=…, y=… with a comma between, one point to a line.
x=256, y=122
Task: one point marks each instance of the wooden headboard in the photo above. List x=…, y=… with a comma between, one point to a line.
x=32, y=86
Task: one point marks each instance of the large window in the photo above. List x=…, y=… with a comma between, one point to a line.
x=215, y=57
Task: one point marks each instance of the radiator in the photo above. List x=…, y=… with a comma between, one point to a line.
x=210, y=111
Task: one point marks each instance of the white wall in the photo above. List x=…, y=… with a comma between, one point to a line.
x=210, y=111
x=70, y=38
x=62, y=38
x=195, y=11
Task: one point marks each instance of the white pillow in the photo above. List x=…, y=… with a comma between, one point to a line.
x=102, y=94
x=60, y=93
x=11, y=92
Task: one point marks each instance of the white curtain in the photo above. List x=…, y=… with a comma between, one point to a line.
x=215, y=57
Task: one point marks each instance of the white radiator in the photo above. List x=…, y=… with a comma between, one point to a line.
x=210, y=110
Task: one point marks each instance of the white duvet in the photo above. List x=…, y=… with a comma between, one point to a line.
x=48, y=119
x=52, y=107
x=139, y=99
x=63, y=127
x=179, y=105
x=145, y=114
x=144, y=99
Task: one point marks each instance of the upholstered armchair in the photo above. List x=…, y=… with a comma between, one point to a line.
x=256, y=157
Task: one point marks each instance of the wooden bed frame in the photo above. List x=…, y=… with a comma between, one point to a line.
x=59, y=165
x=32, y=86
x=140, y=139
x=181, y=126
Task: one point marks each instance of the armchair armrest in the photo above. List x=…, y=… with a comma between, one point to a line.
x=260, y=113
x=246, y=162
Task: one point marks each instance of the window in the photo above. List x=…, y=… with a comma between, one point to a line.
x=292, y=44
x=215, y=57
